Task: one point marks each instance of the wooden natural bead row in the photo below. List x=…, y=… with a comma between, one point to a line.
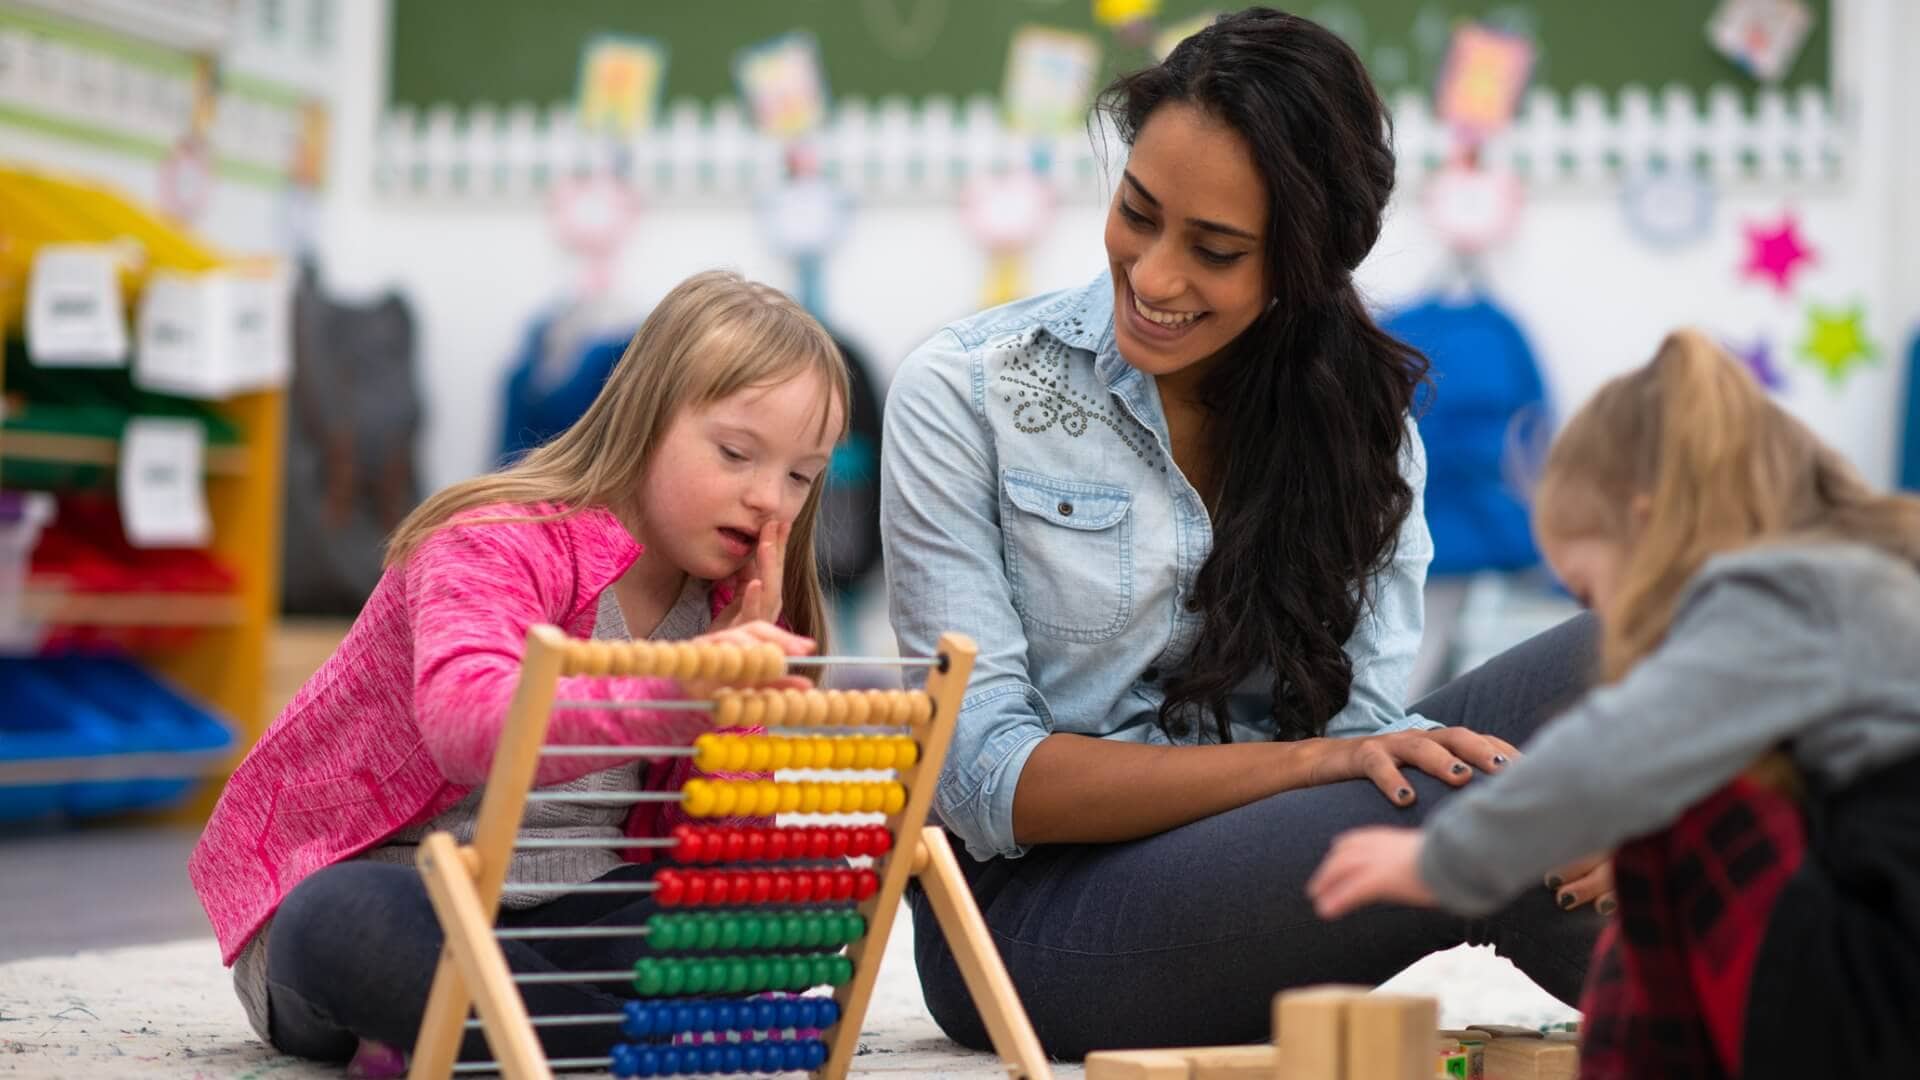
x=821, y=708
x=677, y=660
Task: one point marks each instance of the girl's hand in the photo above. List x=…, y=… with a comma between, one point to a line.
x=747, y=637
x=1450, y=753
x=1588, y=880
x=757, y=586
x=1377, y=864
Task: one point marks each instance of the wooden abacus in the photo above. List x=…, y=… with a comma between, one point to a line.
x=465, y=882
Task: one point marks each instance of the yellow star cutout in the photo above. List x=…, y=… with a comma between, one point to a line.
x=1836, y=341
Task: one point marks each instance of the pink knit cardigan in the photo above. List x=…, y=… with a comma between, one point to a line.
x=400, y=723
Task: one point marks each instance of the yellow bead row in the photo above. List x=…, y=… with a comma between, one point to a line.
x=764, y=753
x=764, y=798
x=821, y=708
x=677, y=660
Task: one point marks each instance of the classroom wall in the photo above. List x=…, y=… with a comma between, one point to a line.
x=1592, y=298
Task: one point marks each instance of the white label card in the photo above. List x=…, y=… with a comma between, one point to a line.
x=163, y=498
x=75, y=317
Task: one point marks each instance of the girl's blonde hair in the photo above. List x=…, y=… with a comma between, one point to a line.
x=1719, y=467
x=715, y=334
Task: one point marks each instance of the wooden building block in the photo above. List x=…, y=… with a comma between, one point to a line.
x=1191, y=1063
x=1138, y=1065
x=1233, y=1062
x=1391, y=1037
x=1309, y=1029
x=1532, y=1059
x=1507, y=1031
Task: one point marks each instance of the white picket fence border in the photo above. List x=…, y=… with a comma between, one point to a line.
x=900, y=151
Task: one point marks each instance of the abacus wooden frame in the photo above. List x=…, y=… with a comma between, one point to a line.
x=464, y=884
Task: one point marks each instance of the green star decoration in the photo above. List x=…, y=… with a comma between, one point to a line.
x=1836, y=341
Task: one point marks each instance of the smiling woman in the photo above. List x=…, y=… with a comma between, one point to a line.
x=1179, y=509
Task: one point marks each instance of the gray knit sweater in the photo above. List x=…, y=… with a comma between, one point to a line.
x=1814, y=648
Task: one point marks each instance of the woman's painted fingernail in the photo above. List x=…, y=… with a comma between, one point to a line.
x=1554, y=881
x=1403, y=794
x=1499, y=759
x=1567, y=900
x=1606, y=905
x=1458, y=768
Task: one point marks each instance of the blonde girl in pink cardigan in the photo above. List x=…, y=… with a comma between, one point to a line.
x=682, y=505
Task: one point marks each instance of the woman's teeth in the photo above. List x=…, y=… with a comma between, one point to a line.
x=1170, y=319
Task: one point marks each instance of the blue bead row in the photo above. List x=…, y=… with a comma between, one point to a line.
x=645, y=1019
x=788, y=1055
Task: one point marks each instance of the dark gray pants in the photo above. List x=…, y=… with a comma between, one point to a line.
x=1182, y=939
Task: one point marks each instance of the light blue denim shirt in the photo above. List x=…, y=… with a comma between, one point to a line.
x=1028, y=498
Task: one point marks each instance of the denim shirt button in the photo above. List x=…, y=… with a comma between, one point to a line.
x=1066, y=509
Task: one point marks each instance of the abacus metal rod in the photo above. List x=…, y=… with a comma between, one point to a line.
x=556, y=1063
x=616, y=751
x=606, y=798
x=548, y=978
x=583, y=887
x=870, y=661
x=594, y=842
x=528, y=933
x=563, y=1020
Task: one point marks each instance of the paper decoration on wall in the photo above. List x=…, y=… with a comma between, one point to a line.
x=1175, y=33
x=784, y=85
x=1776, y=252
x=163, y=499
x=1757, y=357
x=75, y=314
x=1481, y=82
x=1006, y=213
x=803, y=219
x=185, y=178
x=1473, y=209
x=1764, y=37
x=909, y=34
x=1668, y=207
x=620, y=82
x=592, y=216
x=1122, y=12
x=186, y=174
x=1836, y=341
x=1049, y=80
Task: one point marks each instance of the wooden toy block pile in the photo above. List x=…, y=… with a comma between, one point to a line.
x=1347, y=1033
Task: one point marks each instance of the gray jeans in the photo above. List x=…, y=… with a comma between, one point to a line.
x=1183, y=938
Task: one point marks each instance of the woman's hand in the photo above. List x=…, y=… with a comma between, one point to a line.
x=1377, y=864
x=1588, y=880
x=757, y=587
x=749, y=636
x=1450, y=753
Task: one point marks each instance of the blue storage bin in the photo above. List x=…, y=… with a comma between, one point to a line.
x=82, y=706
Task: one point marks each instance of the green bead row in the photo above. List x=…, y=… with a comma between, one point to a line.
x=726, y=931
x=671, y=976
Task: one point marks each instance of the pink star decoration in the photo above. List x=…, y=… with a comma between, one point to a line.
x=1776, y=252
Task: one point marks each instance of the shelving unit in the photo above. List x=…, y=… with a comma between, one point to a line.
x=217, y=646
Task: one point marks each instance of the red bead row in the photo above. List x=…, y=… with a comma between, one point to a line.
x=721, y=843
x=694, y=888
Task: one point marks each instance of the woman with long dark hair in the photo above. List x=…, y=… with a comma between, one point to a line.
x=1179, y=510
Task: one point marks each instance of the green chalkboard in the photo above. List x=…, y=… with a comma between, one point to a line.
x=465, y=52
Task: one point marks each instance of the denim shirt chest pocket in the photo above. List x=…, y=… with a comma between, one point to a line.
x=1069, y=555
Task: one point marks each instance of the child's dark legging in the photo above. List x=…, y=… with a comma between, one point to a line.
x=1182, y=939
x=352, y=952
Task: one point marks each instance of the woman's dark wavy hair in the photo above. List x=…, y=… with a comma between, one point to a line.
x=1309, y=407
